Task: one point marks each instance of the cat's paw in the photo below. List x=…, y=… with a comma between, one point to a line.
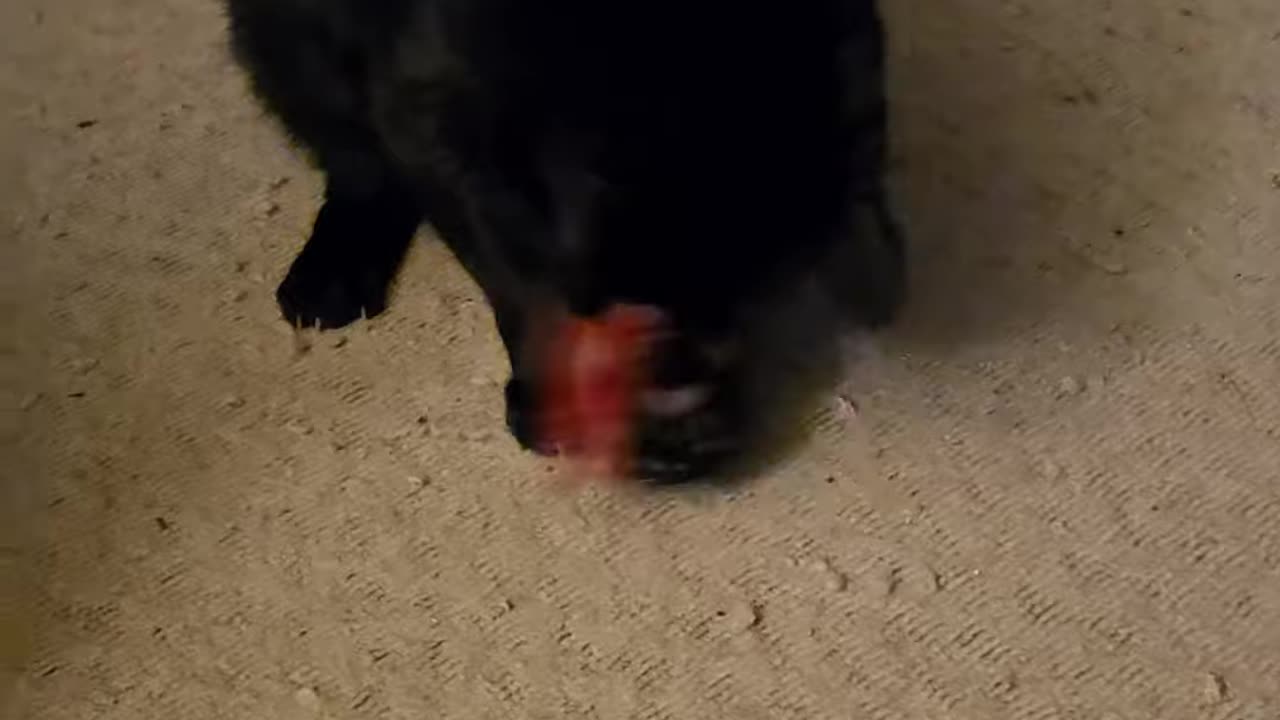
x=318, y=293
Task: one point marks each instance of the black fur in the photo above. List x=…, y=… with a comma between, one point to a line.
x=697, y=155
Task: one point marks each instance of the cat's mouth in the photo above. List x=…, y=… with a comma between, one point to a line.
x=627, y=395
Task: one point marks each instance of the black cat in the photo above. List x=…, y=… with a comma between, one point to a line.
x=694, y=155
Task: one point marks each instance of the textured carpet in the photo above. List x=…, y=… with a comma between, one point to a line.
x=1053, y=493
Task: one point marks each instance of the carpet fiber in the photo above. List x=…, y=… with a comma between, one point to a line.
x=1053, y=492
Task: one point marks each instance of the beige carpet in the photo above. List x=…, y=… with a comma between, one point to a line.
x=1057, y=497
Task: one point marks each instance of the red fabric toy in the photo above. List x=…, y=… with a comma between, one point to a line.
x=596, y=370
